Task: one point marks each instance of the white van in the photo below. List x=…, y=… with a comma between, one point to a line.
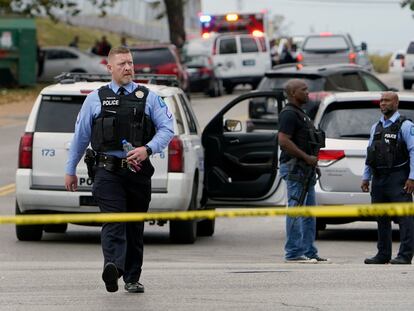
x=240, y=59
x=237, y=58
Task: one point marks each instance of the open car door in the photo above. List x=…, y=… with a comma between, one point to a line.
x=241, y=164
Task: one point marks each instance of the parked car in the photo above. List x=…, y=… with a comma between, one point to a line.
x=202, y=75
x=160, y=59
x=397, y=61
x=408, y=72
x=58, y=59
x=321, y=80
x=328, y=48
x=346, y=119
x=189, y=175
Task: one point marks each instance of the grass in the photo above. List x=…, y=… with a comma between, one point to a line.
x=50, y=33
x=14, y=95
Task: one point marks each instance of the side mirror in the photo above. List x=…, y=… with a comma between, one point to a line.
x=232, y=126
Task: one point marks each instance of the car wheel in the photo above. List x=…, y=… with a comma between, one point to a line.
x=206, y=227
x=229, y=89
x=185, y=231
x=56, y=228
x=215, y=89
x=407, y=84
x=28, y=232
x=320, y=226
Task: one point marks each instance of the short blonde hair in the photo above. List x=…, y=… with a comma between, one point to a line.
x=118, y=50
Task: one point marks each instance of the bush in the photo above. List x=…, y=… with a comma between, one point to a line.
x=380, y=62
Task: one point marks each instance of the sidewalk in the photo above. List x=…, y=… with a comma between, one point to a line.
x=15, y=113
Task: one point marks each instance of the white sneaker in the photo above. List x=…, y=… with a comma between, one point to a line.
x=301, y=259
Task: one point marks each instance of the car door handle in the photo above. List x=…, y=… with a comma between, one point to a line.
x=234, y=141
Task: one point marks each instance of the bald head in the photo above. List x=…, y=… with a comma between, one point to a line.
x=389, y=104
x=297, y=91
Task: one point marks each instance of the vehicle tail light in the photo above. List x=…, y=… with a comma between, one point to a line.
x=25, y=150
x=328, y=157
x=352, y=58
x=205, y=72
x=403, y=62
x=318, y=96
x=103, y=61
x=299, y=57
x=325, y=34
x=214, y=50
x=169, y=68
x=257, y=33
x=176, y=156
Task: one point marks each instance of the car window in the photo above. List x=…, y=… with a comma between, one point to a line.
x=152, y=57
x=410, y=49
x=372, y=83
x=192, y=125
x=399, y=56
x=353, y=120
x=227, y=46
x=334, y=43
x=58, y=113
x=177, y=114
x=349, y=81
x=262, y=42
x=197, y=61
x=269, y=83
x=60, y=54
x=248, y=45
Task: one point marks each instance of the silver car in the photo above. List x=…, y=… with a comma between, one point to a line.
x=347, y=119
x=58, y=59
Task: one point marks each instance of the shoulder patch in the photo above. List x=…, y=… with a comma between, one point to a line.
x=161, y=102
x=412, y=130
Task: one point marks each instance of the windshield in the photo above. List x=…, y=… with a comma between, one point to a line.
x=58, y=113
x=350, y=120
x=153, y=57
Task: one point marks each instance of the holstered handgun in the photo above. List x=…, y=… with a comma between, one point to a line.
x=90, y=160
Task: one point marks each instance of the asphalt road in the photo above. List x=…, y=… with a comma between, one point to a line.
x=239, y=268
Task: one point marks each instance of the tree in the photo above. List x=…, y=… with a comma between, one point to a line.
x=410, y=3
x=51, y=8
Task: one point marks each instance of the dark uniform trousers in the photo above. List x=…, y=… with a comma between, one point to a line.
x=388, y=187
x=122, y=243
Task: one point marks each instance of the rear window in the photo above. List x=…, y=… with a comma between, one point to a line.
x=228, y=46
x=328, y=43
x=353, y=120
x=315, y=84
x=410, y=49
x=197, y=61
x=153, y=57
x=58, y=113
x=248, y=45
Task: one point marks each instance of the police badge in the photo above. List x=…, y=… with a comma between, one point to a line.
x=139, y=94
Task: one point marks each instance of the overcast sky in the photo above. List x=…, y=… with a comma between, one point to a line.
x=383, y=24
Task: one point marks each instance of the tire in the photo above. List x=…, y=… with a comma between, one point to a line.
x=56, y=228
x=28, y=232
x=206, y=227
x=215, y=89
x=407, y=84
x=229, y=89
x=185, y=231
x=320, y=226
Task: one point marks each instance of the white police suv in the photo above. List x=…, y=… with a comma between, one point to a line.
x=233, y=168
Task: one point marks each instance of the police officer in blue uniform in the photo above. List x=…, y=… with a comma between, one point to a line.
x=390, y=165
x=122, y=180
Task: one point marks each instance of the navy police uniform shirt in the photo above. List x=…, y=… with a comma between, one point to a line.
x=155, y=108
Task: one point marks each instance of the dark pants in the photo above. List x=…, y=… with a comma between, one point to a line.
x=389, y=188
x=122, y=243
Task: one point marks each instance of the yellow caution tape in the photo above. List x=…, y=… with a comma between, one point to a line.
x=367, y=210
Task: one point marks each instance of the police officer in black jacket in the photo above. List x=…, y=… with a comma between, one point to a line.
x=390, y=163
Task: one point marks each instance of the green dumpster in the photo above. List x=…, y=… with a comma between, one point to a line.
x=18, y=49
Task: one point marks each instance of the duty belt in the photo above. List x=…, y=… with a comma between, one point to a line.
x=111, y=163
x=387, y=171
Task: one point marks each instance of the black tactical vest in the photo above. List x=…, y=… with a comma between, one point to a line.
x=310, y=140
x=121, y=117
x=386, y=150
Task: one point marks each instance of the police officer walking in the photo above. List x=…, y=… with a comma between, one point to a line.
x=121, y=110
x=300, y=143
x=390, y=163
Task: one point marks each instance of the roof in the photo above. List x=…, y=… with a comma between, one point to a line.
x=321, y=70
x=84, y=88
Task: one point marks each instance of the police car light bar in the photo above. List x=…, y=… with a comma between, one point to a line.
x=72, y=77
